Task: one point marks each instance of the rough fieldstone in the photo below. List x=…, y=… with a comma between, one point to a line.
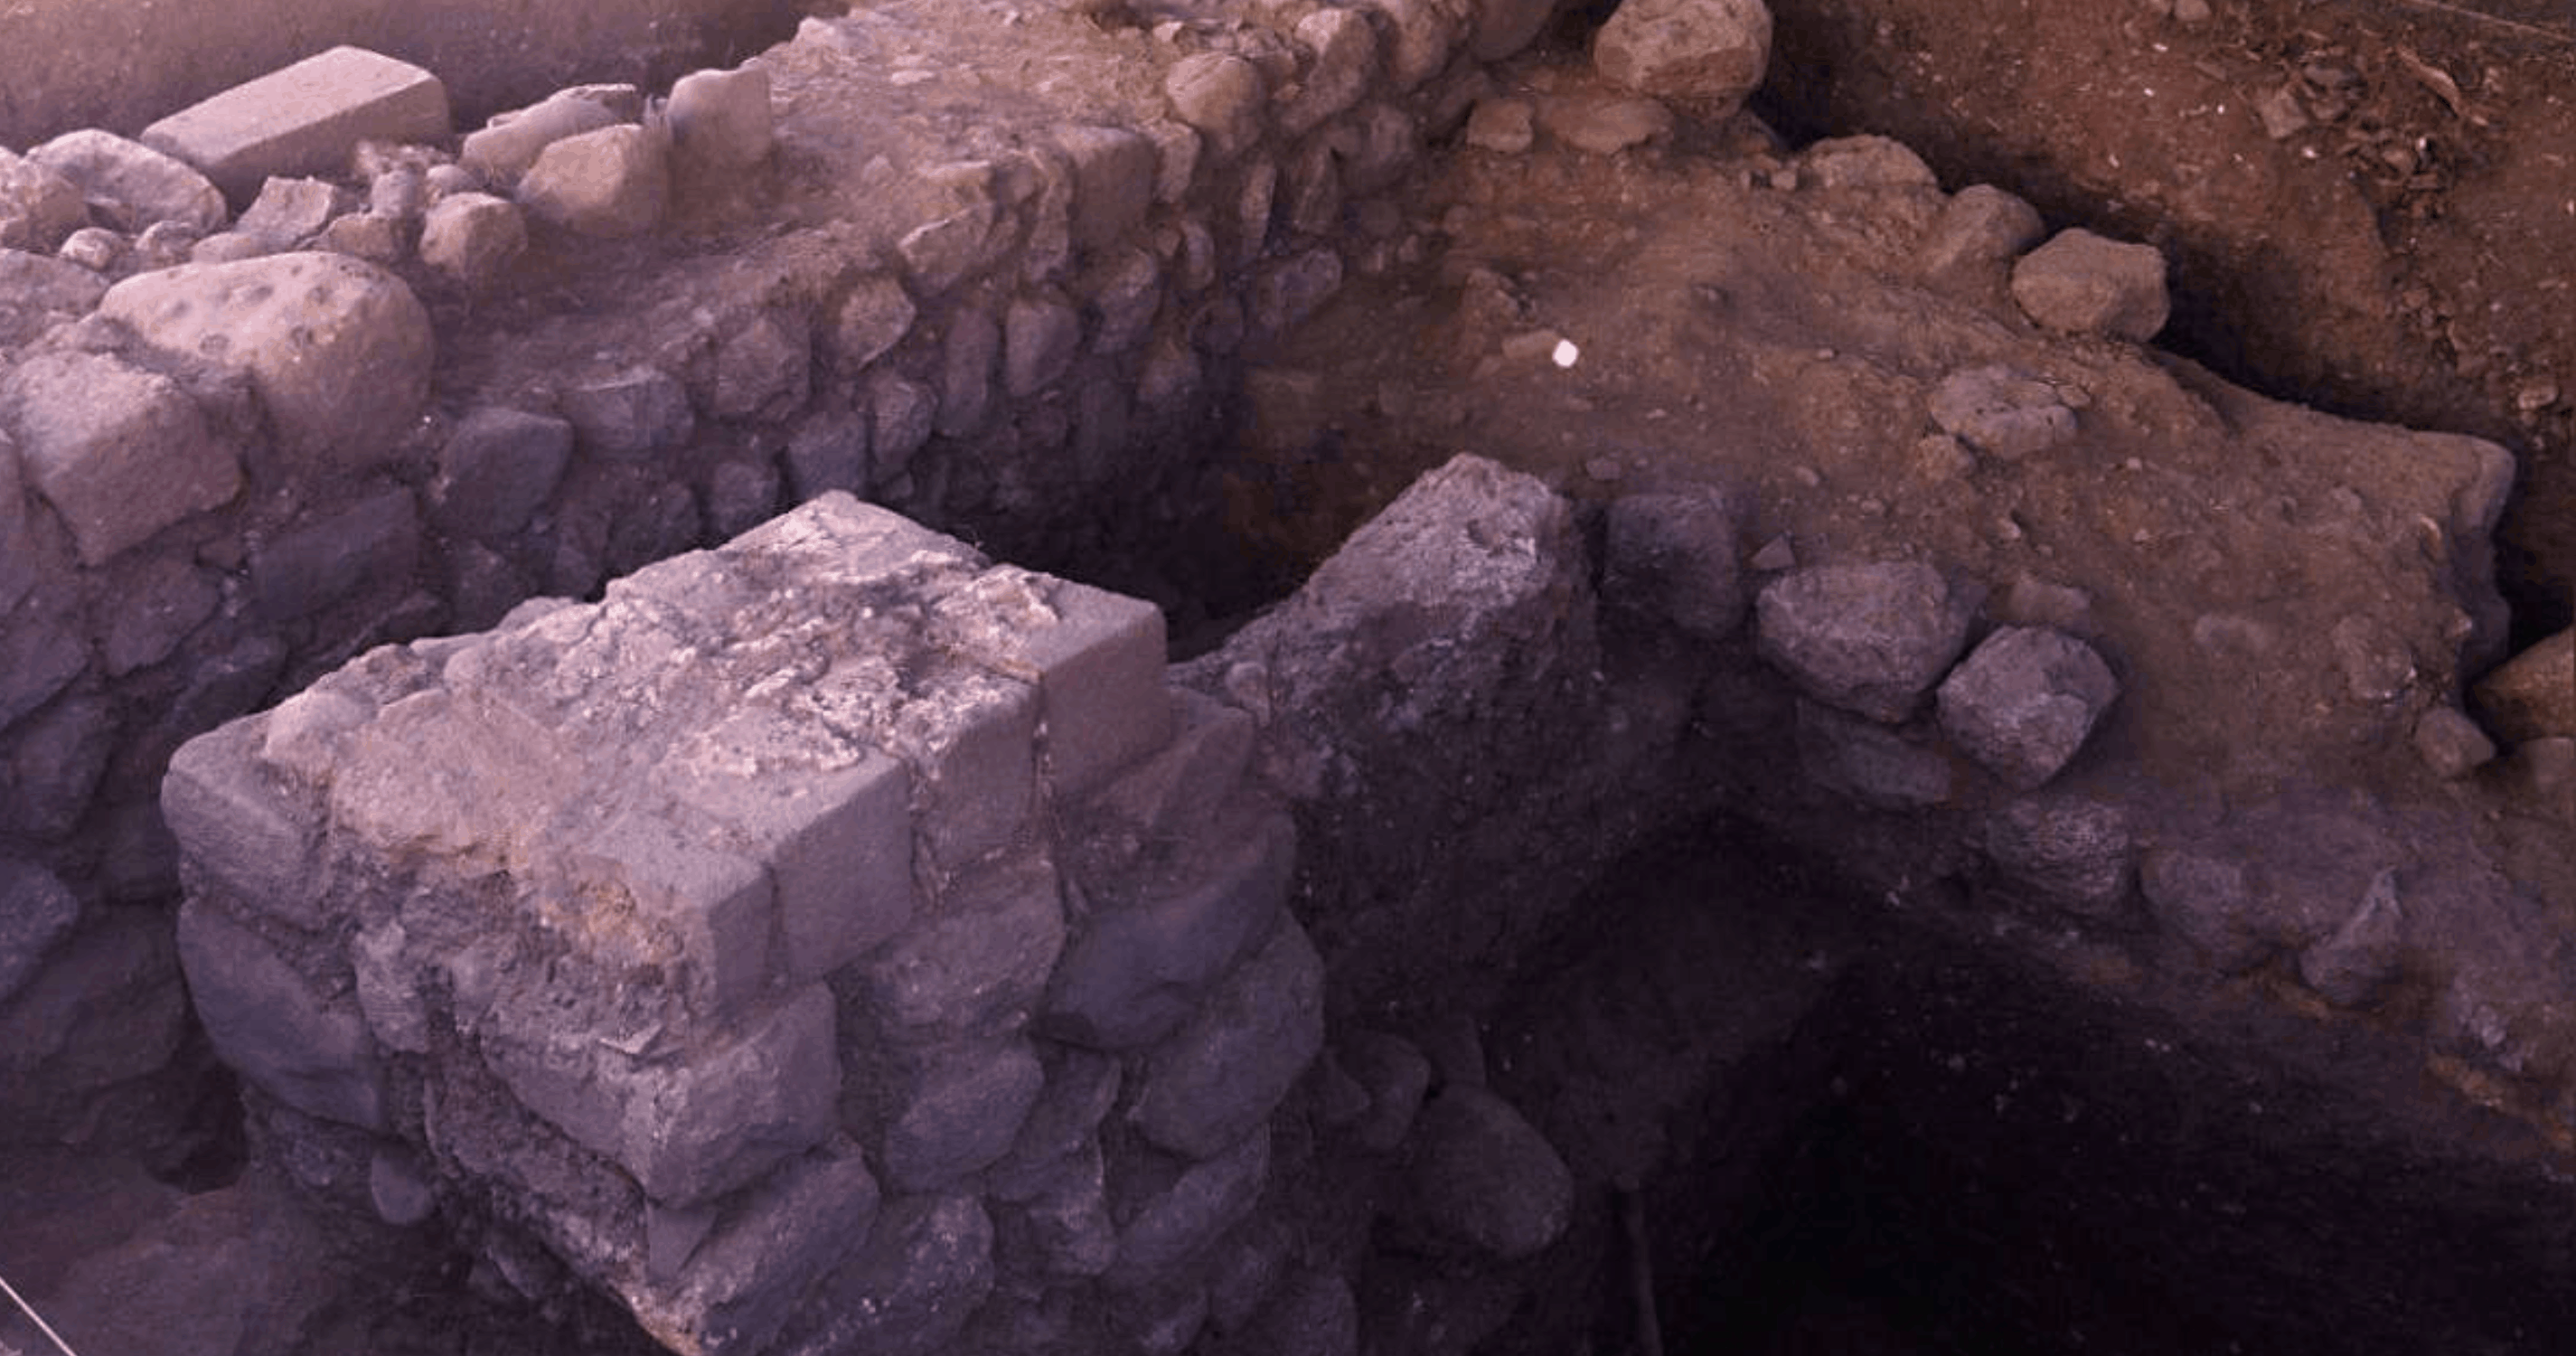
x=610, y=183
x=2081, y=283
x=1066, y=1222
x=338, y=350
x=2349, y=966
x=368, y=544
x=1503, y=126
x=39, y=656
x=721, y=120
x=926, y=1266
x=1149, y=953
x=38, y=207
x=119, y=452
x=150, y=611
x=1179, y=1221
x=1870, y=639
x=1484, y=1178
x=1039, y=339
x=289, y=212
x=1113, y=182
x=966, y=358
x=2074, y=855
x=829, y=451
x=131, y=186
x=472, y=238
x=1081, y=1086
x=742, y=493
x=1864, y=162
x=2024, y=701
x=372, y=236
x=1604, y=125
x=961, y=1115
x=1345, y=56
x=1220, y=1074
x=37, y=912
x=1503, y=27
x=2532, y=696
x=737, y=1286
x=1288, y=293
x=303, y=119
x=502, y=150
x=873, y=318
x=901, y=415
x=1979, y=229
x=2002, y=412
x=628, y=414
x=51, y=767
x=1709, y=52
x=764, y=368
x=1423, y=35
x=1869, y=762
x=1123, y=291
x=981, y=963
x=2208, y=902
x=38, y=292
x=301, y=1044
x=1674, y=557
x=1221, y=95
x=2451, y=744
x=496, y=469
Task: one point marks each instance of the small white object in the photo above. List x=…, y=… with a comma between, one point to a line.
x=1566, y=354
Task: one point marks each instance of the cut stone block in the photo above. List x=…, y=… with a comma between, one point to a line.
x=309, y=1049
x=119, y=452
x=242, y=830
x=982, y=963
x=961, y=1115
x=718, y=905
x=1097, y=660
x=303, y=119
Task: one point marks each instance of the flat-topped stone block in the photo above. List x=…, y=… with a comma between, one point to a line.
x=303, y=119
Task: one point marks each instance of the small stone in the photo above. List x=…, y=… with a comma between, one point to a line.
x=94, y=248
x=2207, y=902
x=874, y=317
x=371, y=236
x=2349, y=966
x=1424, y=35
x=1484, y=1178
x=1039, y=339
x=1979, y=228
x=1605, y=125
x=37, y=913
x=2081, y=283
x=2073, y=855
x=2280, y=112
x=1221, y=95
x=1711, y=53
x=2451, y=744
x=1345, y=49
x=611, y=183
x=1870, y=639
x=119, y=452
x=2533, y=695
x=131, y=186
x=289, y=212
x=1869, y=762
x=502, y=151
x=473, y=238
x=721, y=120
x=1503, y=126
x=496, y=469
x=2025, y=701
x=1775, y=555
x=1865, y=162
x=2001, y=412
x=629, y=414
x=1286, y=294
x=38, y=207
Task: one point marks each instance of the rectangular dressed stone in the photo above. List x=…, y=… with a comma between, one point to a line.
x=717, y=905
x=238, y=828
x=303, y=119
x=1096, y=657
x=119, y=452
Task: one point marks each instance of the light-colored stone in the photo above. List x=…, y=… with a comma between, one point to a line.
x=472, y=238
x=1221, y=95
x=130, y=185
x=2002, y=412
x=119, y=452
x=2081, y=283
x=2024, y=701
x=1871, y=639
x=610, y=183
x=504, y=149
x=721, y=120
x=36, y=292
x=2533, y=695
x=1710, y=53
x=38, y=207
x=289, y=212
x=303, y=119
x=338, y=350
x=1979, y=229
x=1345, y=57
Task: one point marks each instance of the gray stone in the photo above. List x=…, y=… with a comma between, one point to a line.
x=610, y=183
x=740, y=494
x=289, y=212
x=2024, y=701
x=960, y=1114
x=399, y=1187
x=1221, y=95
x=39, y=656
x=2081, y=283
x=149, y=611
x=1081, y=1086
x=967, y=355
x=295, y=1040
x=1864, y=162
x=926, y=1267
x=1979, y=229
x=93, y=247
x=2073, y=855
x=2451, y=744
x=38, y=292
x=1113, y=182
x=1288, y=293
x=1066, y=1223
x=1096, y=659
x=2002, y=412
x=980, y=963
x=1040, y=336
x=1123, y=291
x=37, y=913
x=50, y=767
x=337, y=349
x=1503, y=126
x=2532, y=696
x=764, y=368
x=1604, y=125
x=496, y=469
x=939, y=254
x=472, y=238
x=1345, y=57
x=1175, y=1224
x=1674, y=557
x=119, y=452
x=1503, y=27
x=1422, y=36
x=1869, y=762
x=721, y=120
x=829, y=451
x=303, y=119
x=2208, y=902
x=1870, y=639
x=164, y=244
x=628, y=414
x=1222, y=1072
x=1483, y=1178
x=369, y=544
x=1711, y=53
x=740, y=1282
x=869, y=321
x=2349, y=966
x=1151, y=949
x=131, y=186
x=38, y=207
x=372, y=236
x=501, y=152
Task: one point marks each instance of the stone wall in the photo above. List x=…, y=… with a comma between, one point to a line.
x=297, y=373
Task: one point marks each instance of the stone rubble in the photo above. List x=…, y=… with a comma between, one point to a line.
x=2081, y=283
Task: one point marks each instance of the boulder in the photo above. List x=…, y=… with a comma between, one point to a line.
x=1709, y=53
x=1871, y=639
x=611, y=183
